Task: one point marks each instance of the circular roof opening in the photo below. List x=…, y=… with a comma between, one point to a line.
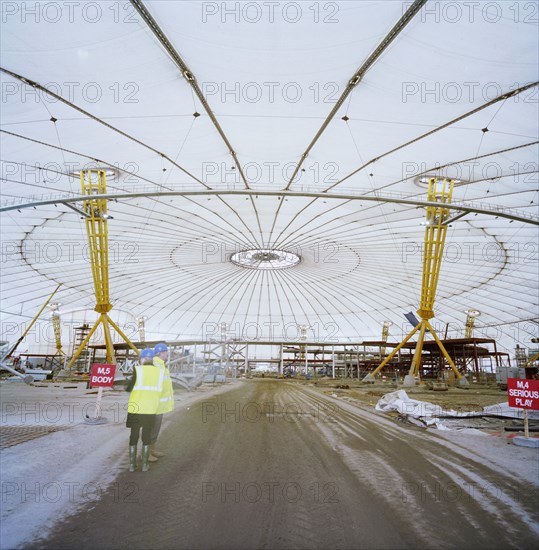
x=265, y=258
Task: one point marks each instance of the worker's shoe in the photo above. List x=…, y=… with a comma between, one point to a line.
x=132, y=458
x=152, y=458
x=145, y=458
x=156, y=454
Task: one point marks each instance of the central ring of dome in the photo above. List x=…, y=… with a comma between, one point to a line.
x=265, y=258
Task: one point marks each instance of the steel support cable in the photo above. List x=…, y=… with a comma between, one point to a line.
x=321, y=228
x=172, y=231
x=495, y=211
x=254, y=285
x=442, y=166
x=502, y=97
x=197, y=284
x=273, y=285
x=280, y=243
x=240, y=301
x=113, y=167
x=167, y=229
x=33, y=185
x=301, y=284
x=76, y=153
x=278, y=275
x=285, y=281
x=358, y=75
x=200, y=290
x=188, y=75
x=399, y=26
x=40, y=169
x=367, y=279
x=191, y=79
x=437, y=129
x=373, y=186
x=100, y=121
x=259, y=305
x=80, y=271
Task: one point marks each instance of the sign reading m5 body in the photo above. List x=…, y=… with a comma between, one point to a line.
x=523, y=394
x=102, y=375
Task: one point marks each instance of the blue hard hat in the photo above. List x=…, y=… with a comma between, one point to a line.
x=160, y=348
x=147, y=352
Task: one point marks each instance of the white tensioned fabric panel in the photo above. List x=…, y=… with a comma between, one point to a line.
x=271, y=73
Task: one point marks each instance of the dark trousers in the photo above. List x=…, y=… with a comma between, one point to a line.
x=156, y=428
x=138, y=421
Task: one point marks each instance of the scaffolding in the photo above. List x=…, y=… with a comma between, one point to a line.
x=194, y=361
x=80, y=335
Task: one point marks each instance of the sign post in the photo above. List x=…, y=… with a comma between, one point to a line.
x=523, y=394
x=102, y=376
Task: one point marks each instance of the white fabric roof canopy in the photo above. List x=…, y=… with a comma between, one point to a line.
x=271, y=83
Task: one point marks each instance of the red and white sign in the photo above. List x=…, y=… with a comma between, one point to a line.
x=523, y=394
x=102, y=375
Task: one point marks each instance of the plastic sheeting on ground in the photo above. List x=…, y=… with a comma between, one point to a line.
x=423, y=413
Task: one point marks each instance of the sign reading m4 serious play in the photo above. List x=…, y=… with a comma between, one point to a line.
x=102, y=375
x=523, y=394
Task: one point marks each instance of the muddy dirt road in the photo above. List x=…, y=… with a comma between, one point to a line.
x=271, y=464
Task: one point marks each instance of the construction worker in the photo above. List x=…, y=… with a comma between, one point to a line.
x=166, y=403
x=146, y=387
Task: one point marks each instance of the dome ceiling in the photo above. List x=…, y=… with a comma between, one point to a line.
x=261, y=187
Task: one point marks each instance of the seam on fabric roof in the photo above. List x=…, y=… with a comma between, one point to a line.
x=63, y=149
x=502, y=97
x=441, y=167
x=301, y=287
x=188, y=75
x=499, y=98
x=336, y=297
x=104, y=163
x=397, y=28
x=408, y=15
x=99, y=120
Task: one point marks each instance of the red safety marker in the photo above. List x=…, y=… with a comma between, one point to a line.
x=101, y=376
x=523, y=394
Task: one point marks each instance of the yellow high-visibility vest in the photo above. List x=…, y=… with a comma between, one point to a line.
x=166, y=401
x=146, y=394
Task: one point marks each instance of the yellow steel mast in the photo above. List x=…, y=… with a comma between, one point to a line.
x=93, y=184
x=385, y=334
x=55, y=318
x=440, y=192
x=471, y=314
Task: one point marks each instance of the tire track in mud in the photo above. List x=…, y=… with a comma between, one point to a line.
x=439, y=481
x=275, y=465
x=237, y=474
